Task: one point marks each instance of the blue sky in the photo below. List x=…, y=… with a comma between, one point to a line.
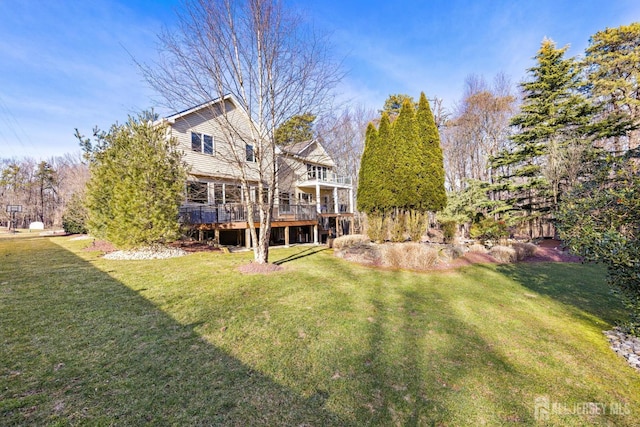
x=68, y=64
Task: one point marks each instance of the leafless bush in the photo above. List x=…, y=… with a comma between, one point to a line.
x=503, y=253
x=376, y=228
x=412, y=256
x=396, y=228
x=344, y=242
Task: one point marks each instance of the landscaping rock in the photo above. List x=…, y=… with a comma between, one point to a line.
x=146, y=254
x=625, y=345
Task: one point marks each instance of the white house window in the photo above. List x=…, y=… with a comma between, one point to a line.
x=285, y=202
x=306, y=197
x=317, y=172
x=197, y=192
x=233, y=193
x=218, y=193
x=254, y=195
x=202, y=143
x=251, y=155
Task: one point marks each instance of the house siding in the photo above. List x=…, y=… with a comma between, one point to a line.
x=222, y=163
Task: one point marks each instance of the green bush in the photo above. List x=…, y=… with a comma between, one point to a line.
x=74, y=217
x=449, y=229
x=489, y=229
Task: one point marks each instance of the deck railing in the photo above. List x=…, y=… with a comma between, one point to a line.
x=237, y=212
x=329, y=178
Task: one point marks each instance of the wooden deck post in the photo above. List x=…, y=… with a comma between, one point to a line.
x=286, y=236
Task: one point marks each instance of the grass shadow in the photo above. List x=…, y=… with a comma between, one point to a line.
x=79, y=347
x=422, y=380
x=302, y=254
x=581, y=286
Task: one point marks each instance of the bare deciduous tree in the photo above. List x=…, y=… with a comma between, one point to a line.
x=272, y=64
x=478, y=129
x=343, y=135
x=42, y=188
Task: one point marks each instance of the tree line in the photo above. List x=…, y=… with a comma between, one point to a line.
x=42, y=188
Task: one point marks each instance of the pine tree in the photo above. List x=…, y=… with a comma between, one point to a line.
x=546, y=153
x=297, y=129
x=614, y=76
x=136, y=185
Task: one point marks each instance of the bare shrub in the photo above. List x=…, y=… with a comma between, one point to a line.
x=477, y=248
x=524, y=250
x=376, y=228
x=396, y=228
x=503, y=253
x=417, y=225
x=344, y=242
x=412, y=256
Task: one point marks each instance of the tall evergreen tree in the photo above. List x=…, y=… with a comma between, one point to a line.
x=431, y=192
x=136, y=185
x=386, y=165
x=367, y=173
x=613, y=71
x=393, y=104
x=297, y=129
x=405, y=178
x=546, y=152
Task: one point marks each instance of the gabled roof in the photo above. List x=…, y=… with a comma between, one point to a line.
x=298, y=148
x=303, y=151
x=173, y=117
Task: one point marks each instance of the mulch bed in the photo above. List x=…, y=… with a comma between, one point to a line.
x=100, y=245
x=255, y=268
x=194, y=246
x=551, y=250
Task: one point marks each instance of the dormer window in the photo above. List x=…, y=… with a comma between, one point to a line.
x=201, y=143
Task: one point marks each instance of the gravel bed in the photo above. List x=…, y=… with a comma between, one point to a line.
x=146, y=253
x=626, y=346
x=81, y=237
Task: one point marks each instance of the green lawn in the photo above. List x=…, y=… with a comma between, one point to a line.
x=190, y=341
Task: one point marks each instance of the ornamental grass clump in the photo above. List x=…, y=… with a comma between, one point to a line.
x=524, y=250
x=478, y=248
x=410, y=256
x=350, y=241
x=503, y=253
